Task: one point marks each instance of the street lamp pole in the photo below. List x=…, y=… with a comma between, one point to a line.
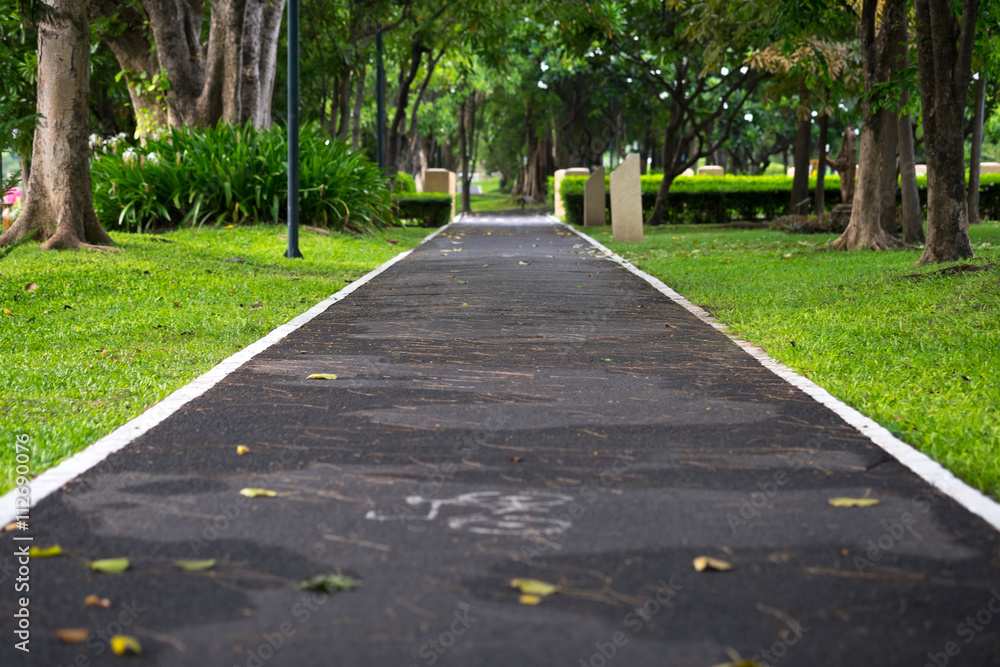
x=293, y=130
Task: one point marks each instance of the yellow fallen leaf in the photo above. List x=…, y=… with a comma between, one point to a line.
x=530, y=599
x=110, y=565
x=71, y=635
x=195, y=565
x=853, y=502
x=228, y=227
x=37, y=552
x=322, y=376
x=260, y=493
x=8, y=312
x=702, y=563
x=534, y=587
x=95, y=601
x=125, y=645
x=242, y=449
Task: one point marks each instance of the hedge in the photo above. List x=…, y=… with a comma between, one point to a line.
x=429, y=209
x=719, y=199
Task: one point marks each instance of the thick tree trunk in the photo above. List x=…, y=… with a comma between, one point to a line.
x=799, y=204
x=912, y=222
x=864, y=229
x=819, y=202
x=887, y=171
x=975, y=159
x=59, y=202
x=229, y=78
x=944, y=81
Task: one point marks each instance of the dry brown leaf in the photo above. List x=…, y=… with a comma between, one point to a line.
x=31, y=287
x=71, y=635
x=95, y=601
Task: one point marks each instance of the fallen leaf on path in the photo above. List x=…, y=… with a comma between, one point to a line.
x=322, y=376
x=46, y=552
x=530, y=600
x=328, y=583
x=524, y=263
x=95, y=601
x=534, y=587
x=195, y=565
x=125, y=645
x=853, y=502
x=110, y=565
x=463, y=282
x=702, y=563
x=71, y=635
x=242, y=449
x=260, y=493
x=669, y=326
x=516, y=459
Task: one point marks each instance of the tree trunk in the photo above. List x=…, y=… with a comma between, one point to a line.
x=975, y=159
x=819, y=203
x=864, y=229
x=887, y=171
x=912, y=221
x=59, y=202
x=359, y=100
x=228, y=78
x=799, y=204
x=463, y=147
x=944, y=81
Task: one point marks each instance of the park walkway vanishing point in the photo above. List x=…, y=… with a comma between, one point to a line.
x=510, y=404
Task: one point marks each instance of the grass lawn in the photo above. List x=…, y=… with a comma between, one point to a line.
x=494, y=200
x=104, y=336
x=920, y=356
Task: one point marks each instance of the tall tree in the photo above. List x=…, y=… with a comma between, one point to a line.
x=945, y=40
x=877, y=55
x=188, y=80
x=59, y=202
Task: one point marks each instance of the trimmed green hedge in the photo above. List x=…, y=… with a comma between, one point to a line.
x=429, y=209
x=719, y=199
x=405, y=184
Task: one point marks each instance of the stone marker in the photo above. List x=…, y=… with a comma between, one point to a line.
x=593, y=200
x=711, y=170
x=989, y=167
x=921, y=169
x=688, y=172
x=626, y=201
x=443, y=181
x=560, y=209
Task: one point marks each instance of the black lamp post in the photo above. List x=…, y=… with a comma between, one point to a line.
x=293, y=130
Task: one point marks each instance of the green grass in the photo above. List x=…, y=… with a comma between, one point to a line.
x=106, y=335
x=921, y=357
x=494, y=200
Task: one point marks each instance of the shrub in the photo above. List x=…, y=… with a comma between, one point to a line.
x=428, y=209
x=404, y=183
x=719, y=199
x=236, y=174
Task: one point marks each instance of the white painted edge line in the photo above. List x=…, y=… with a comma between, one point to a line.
x=925, y=467
x=54, y=478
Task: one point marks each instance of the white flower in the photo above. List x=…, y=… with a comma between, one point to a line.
x=153, y=159
x=129, y=156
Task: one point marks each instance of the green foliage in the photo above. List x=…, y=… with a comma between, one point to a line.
x=719, y=199
x=404, y=183
x=917, y=354
x=706, y=199
x=428, y=209
x=235, y=175
x=104, y=336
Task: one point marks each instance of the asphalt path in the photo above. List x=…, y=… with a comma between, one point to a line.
x=509, y=404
